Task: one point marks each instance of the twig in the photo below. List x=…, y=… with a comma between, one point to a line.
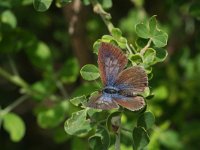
x=13, y=66
x=14, y=104
x=146, y=47
x=17, y=80
x=61, y=88
x=104, y=15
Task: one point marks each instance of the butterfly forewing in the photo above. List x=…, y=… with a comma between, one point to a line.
x=99, y=101
x=111, y=61
x=132, y=81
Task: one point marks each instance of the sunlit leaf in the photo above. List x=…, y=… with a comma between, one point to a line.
x=149, y=56
x=142, y=31
x=9, y=18
x=107, y=3
x=116, y=33
x=89, y=72
x=78, y=123
x=14, y=125
x=78, y=100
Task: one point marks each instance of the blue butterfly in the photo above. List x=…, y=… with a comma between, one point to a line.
x=120, y=86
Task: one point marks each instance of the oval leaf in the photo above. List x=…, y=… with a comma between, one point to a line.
x=89, y=72
x=149, y=56
x=146, y=120
x=140, y=138
x=42, y=5
x=101, y=139
x=78, y=123
x=14, y=125
x=142, y=31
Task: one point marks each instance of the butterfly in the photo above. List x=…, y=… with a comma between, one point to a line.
x=120, y=86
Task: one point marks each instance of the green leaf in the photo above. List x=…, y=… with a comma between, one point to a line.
x=161, y=92
x=140, y=138
x=170, y=139
x=78, y=123
x=146, y=120
x=86, y=2
x=107, y=38
x=14, y=125
x=159, y=38
x=136, y=58
x=101, y=139
x=40, y=55
x=42, y=5
x=52, y=117
x=140, y=43
x=78, y=100
x=194, y=10
x=161, y=54
x=70, y=71
x=42, y=89
x=9, y=18
x=107, y=3
x=142, y=31
x=96, y=46
x=89, y=72
x=116, y=33
x=152, y=24
x=149, y=56
x=61, y=3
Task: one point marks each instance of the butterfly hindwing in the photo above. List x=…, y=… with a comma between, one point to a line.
x=132, y=103
x=100, y=101
x=111, y=61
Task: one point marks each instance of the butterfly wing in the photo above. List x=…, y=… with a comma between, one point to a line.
x=111, y=61
x=131, y=103
x=132, y=81
x=100, y=101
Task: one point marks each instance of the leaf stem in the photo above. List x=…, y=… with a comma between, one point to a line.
x=13, y=66
x=104, y=15
x=146, y=47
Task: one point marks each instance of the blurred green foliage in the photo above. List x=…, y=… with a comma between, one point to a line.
x=38, y=59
